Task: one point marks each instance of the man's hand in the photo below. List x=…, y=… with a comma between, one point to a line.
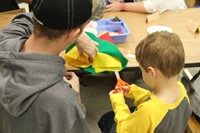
x=73, y=80
x=87, y=45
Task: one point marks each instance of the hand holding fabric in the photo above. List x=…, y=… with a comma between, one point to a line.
x=87, y=45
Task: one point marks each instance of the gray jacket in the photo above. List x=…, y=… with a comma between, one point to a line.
x=34, y=98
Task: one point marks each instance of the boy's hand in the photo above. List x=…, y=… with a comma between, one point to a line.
x=73, y=80
x=112, y=92
x=125, y=90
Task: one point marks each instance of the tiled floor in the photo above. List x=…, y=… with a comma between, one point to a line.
x=95, y=95
x=95, y=98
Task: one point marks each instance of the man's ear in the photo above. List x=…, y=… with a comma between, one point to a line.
x=74, y=33
x=153, y=72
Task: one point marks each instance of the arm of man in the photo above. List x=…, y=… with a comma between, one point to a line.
x=87, y=45
x=20, y=28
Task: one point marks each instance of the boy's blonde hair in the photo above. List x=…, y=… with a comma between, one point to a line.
x=162, y=50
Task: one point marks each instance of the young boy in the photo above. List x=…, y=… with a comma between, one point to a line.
x=166, y=110
x=145, y=6
x=34, y=97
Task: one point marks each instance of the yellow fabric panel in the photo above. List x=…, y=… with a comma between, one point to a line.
x=73, y=57
x=102, y=61
x=105, y=60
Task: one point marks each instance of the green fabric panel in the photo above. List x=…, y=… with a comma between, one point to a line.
x=104, y=47
x=89, y=69
x=70, y=47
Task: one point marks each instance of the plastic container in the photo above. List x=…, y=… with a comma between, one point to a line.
x=117, y=30
x=114, y=23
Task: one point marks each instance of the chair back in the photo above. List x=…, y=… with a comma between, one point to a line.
x=190, y=3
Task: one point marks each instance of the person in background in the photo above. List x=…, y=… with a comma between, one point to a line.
x=165, y=110
x=37, y=94
x=8, y=5
x=144, y=6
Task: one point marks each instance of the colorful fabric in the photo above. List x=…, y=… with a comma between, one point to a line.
x=107, y=37
x=108, y=57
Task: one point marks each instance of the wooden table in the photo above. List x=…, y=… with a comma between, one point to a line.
x=6, y=17
x=176, y=19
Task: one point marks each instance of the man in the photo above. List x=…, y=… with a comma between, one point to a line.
x=84, y=43
x=34, y=96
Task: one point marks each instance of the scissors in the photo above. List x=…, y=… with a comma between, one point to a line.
x=120, y=83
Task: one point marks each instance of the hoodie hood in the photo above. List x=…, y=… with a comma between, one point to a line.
x=24, y=75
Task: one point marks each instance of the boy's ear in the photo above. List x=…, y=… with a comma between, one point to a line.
x=74, y=33
x=152, y=71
